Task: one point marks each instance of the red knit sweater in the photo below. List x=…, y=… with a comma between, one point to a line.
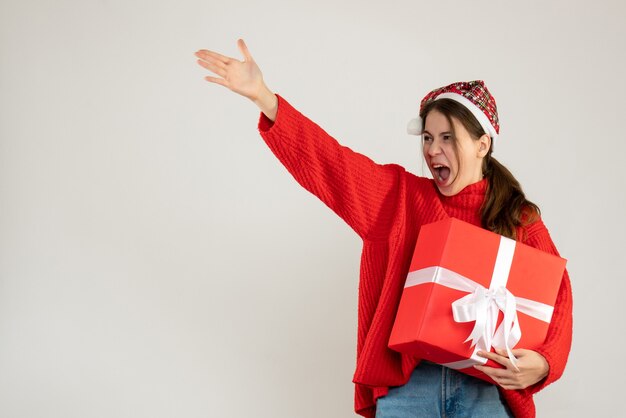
x=386, y=206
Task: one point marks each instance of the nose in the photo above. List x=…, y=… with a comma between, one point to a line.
x=434, y=148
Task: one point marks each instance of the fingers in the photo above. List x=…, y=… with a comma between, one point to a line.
x=244, y=50
x=510, y=385
x=511, y=377
x=500, y=359
x=216, y=80
x=205, y=54
x=216, y=60
x=233, y=73
x=493, y=372
x=219, y=69
x=519, y=352
x=503, y=377
x=503, y=353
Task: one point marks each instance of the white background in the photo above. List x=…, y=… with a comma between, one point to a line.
x=156, y=260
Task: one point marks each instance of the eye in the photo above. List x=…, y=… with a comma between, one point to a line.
x=447, y=137
x=427, y=138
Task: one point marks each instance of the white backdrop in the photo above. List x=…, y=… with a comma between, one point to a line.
x=156, y=260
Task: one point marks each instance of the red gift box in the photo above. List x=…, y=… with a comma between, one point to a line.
x=469, y=289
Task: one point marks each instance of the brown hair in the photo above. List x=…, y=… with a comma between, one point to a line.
x=505, y=208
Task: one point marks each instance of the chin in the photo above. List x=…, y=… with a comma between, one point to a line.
x=448, y=191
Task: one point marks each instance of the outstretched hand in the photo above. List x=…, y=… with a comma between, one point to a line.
x=242, y=77
x=531, y=368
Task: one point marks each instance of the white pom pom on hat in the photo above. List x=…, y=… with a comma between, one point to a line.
x=474, y=95
x=415, y=126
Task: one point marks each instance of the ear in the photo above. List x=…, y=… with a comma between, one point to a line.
x=484, y=142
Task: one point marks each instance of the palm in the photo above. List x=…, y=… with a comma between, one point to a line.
x=242, y=77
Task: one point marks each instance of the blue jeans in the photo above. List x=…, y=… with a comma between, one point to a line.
x=437, y=391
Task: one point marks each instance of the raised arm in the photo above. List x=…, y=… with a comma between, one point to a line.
x=365, y=194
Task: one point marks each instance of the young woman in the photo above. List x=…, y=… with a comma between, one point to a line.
x=386, y=206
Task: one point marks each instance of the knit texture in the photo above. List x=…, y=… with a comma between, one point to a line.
x=386, y=206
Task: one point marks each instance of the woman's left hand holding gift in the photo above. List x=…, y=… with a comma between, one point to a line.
x=531, y=368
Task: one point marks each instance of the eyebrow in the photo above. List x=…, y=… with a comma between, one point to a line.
x=443, y=133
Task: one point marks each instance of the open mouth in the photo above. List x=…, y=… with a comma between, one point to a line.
x=442, y=172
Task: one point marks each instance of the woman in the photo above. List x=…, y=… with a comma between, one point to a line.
x=386, y=206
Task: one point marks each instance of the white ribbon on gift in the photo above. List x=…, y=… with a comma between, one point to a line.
x=482, y=305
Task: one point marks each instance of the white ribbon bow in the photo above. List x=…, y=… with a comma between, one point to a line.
x=482, y=305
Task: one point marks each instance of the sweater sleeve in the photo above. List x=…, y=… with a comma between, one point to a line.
x=363, y=193
x=558, y=341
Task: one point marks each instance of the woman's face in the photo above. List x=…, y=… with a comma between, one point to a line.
x=452, y=172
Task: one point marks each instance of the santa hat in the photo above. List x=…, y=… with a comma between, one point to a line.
x=471, y=94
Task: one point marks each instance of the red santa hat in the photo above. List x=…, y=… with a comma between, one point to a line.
x=474, y=95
